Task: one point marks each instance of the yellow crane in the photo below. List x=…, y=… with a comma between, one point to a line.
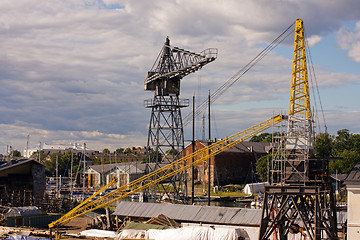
x=165, y=172
x=299, y=102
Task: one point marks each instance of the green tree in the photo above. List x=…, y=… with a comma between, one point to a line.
x=323, y=145
x=345, y=149
x=155, y=156
x=262, y=137
x=172, y=152
x=50, y=165
x=346, y=161
x=106, y=150
x=119, y=150
x=354, y=142
x=341, y=142
x=128, y=150
x=42, y=157
x=15, y=153
x=262, y=165
x=63, y=163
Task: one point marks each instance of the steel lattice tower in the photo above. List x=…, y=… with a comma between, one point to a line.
x=300, y=199
x=166, y=135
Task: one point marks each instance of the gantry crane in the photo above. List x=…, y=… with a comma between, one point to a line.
x=166, y=135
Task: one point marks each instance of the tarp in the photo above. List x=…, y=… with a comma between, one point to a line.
x=185, y=233
x=131, y=233
x=98, y=233
x=22, y=237
x=253, y=188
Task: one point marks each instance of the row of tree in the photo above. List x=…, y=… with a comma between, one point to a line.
x=342, y=150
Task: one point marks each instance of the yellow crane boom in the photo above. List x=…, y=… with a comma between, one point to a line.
x=64, y=218
x=167, y=171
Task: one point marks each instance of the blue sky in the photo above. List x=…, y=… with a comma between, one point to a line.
x=73, y=70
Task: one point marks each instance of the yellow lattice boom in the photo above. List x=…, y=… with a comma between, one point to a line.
x=167, y=171
x=299, y=93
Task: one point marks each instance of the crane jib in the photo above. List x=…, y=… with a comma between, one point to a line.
x=167, y=171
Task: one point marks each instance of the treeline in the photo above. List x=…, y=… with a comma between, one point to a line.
x=342, y=150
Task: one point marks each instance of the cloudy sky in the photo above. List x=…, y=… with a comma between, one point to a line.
x=73, y=70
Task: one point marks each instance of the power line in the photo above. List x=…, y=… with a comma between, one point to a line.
x=222, y=89
x=314, y=83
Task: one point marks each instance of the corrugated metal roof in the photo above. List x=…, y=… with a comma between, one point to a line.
x=354, y=175
x=249, y=147
x=244, y=147
x=23, y=211
x=105, y=167
x=191, y=213
x=129, y=167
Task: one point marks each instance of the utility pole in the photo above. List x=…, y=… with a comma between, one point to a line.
x=57, y=175
x=71, y=168
x=209, y=161
x=193, y=150
x=84, y=176
x=103, y=171
x=40, y=153
x=27, y=146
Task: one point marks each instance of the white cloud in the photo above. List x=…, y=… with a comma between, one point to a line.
x=112, y=2
x=76, y=68
x=313, y=40
x=349, y=40
x=15, y=135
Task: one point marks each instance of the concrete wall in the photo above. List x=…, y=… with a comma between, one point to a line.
x=353, y=212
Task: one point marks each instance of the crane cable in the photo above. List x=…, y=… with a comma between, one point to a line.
x=221, y=90
x=313, y=79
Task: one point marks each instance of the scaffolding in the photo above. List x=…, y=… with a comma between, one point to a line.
x=300, y=199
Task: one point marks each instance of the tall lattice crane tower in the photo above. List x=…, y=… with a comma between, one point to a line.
x=300, y=199
x=166, y=135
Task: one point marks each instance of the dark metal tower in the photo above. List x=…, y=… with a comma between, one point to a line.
x=300, y=199
x=166, y=136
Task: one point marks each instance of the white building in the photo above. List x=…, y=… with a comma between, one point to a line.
x=61, y=147
x=99, y=175
x=352, y=183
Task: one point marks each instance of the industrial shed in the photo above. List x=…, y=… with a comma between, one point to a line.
x=190, y=213
x=99, y=175
x=28, y=216
x=22, y=182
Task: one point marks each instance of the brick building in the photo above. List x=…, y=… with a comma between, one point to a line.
x=233, y=166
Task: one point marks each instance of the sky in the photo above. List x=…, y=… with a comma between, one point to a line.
x=74, y=70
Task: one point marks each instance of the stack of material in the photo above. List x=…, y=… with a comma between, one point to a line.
x=161, y=219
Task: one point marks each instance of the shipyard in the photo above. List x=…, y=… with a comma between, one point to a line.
x=193, y=122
